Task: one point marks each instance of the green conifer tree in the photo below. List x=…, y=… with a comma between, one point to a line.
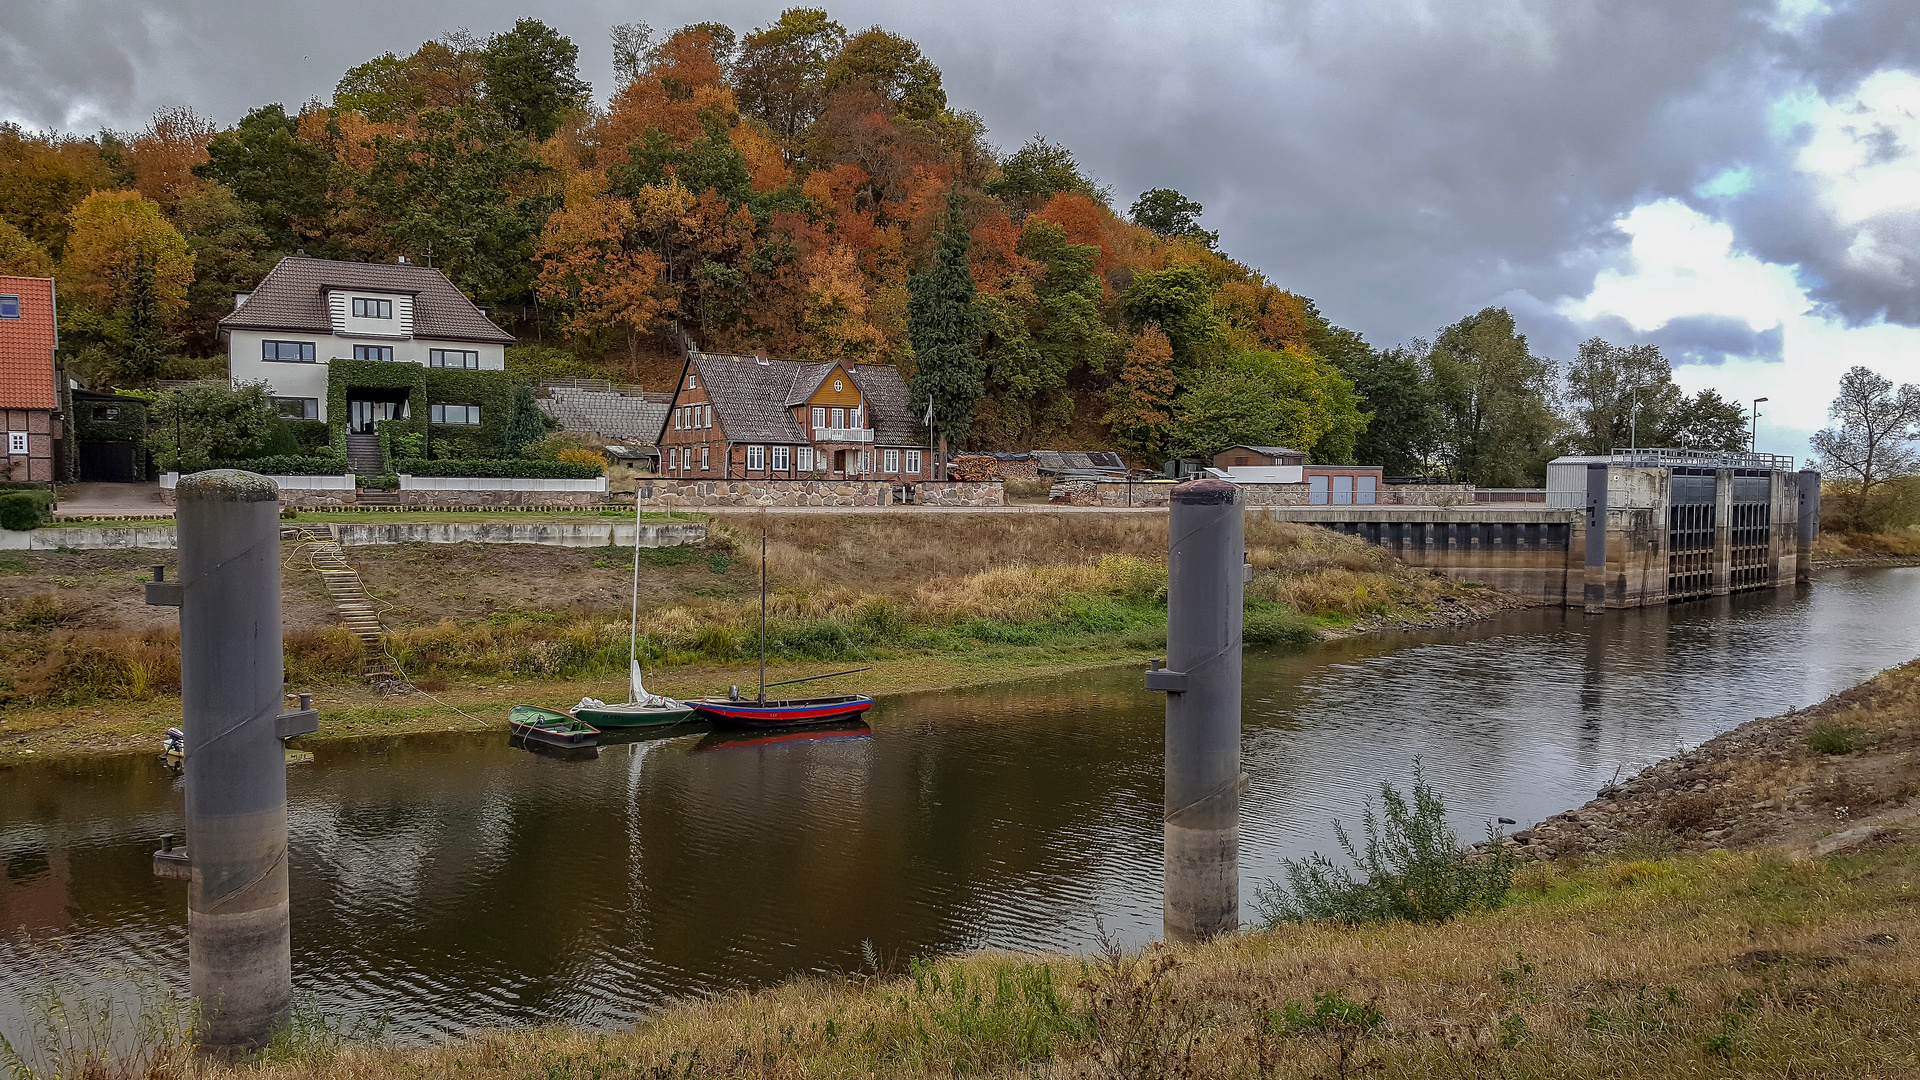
x=945, y=328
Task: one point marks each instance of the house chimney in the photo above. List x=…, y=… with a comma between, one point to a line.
x=402, y=260
x=759, y=356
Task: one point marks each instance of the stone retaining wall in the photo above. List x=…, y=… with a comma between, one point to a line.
x=698, y=493
x=574, y=534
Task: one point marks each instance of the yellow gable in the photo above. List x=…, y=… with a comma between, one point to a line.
x=847, y=394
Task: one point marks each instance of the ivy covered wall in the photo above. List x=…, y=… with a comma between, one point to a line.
x=492, y=391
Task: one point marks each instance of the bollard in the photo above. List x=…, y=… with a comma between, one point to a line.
x=1807, y=526
x=238, y=946
x=1206, y=588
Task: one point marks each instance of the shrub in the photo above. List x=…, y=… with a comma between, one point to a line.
x=1834, y=737
x=580, y=455
x=1414, y=868
x=549, y=448
x=217, y=422
x=23, y=510
x=289, y=465
x=499, y=467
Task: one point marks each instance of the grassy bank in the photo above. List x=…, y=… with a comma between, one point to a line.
x=930, y=601
x=1651, y=962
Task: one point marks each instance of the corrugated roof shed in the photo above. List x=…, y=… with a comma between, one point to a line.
x=616, y=416
x=26, y=346
x=293, y=296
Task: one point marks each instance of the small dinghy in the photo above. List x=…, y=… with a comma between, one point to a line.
x=551, y=727
x=641, y=709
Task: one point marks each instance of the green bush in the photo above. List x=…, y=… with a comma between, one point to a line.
x=287, y=465
x=1276, y=624
x=216, y=422
x=540, y=362
x=1414, y=868
x=1834, y=737
x=497, y=467
x=23, y=510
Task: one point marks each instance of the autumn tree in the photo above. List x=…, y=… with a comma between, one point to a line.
x=165, y=154
x=19, y=255
x=1620, y=395
x=944, y=327
x=1179, y=300
x=781, y=73
x=590, y=272
x=113, y=233
x=1140, y=405
x=531, y=77
x=43, y=177
x=892, y=67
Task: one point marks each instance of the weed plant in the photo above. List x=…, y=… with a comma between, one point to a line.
x=1837, y=737
x=1413, y=868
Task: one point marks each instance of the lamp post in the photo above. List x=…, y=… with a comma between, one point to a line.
x=1753, y=439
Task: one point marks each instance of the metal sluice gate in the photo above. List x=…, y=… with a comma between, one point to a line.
x=1693, y=526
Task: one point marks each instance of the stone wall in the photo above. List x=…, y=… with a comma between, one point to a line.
x=428, y=499
x=1110, y=493
x=664, y=492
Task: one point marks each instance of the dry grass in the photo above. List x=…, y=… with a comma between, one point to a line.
x=1843, y=547
x=1710, y=966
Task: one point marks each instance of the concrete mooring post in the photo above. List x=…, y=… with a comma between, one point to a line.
x=1807, y=525
x=231, y=684
x=1206, y=588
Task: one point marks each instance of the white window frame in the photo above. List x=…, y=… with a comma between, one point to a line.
x=780, y=458
x=705, y=448
x=756, y=458
x=857, y=417
x=890, y=461
x=839, y=418
x=913, y=463
x=17, y=443
x=803, y=459
x=693, y=381
x=819, y=417
x=706, y=416
x=673, y=459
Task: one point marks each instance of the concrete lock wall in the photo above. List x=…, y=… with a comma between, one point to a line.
x=1542, y=552
x=1119, y=494
x=699, y=493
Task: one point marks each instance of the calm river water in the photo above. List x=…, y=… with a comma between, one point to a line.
x=448, y=882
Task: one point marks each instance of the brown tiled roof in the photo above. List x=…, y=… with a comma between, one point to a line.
x=26, y=346
x=616, y=416
x=293, y=296
x=750, y=397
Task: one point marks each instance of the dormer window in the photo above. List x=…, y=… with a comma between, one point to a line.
x=364, y=308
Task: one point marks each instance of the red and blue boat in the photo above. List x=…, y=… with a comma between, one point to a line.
x=738, y=710
x=751, y=713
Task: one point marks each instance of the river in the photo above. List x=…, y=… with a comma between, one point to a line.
x=450, y=882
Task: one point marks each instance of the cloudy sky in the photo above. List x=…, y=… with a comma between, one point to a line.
x=1735, y=180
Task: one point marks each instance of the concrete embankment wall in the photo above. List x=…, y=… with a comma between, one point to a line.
x=1527, y=551
x=550, y=533
x=664, y=492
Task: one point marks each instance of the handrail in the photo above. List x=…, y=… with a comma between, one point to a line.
x=1723, y=459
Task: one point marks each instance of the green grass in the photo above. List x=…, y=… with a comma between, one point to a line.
x=1834, y=737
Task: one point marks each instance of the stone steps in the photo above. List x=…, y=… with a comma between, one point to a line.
x=350, y=598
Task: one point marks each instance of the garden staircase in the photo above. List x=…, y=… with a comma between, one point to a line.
x=363, y=453
x=349, y=596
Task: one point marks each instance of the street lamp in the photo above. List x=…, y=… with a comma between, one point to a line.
x=1753, y=440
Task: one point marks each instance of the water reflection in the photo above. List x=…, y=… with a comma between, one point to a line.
x=449, y=881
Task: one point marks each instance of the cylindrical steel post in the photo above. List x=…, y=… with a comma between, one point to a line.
x=1594, y=588
x=231, y=681
x=1807, y=528
x=1206, y=587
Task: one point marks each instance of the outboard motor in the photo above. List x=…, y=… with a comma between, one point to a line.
x=176, y=747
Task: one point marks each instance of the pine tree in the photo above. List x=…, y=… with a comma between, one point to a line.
x=945, y=328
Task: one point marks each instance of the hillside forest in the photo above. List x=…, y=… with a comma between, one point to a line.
x=805, y=188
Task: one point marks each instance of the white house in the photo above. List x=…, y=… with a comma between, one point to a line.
x=307, y=312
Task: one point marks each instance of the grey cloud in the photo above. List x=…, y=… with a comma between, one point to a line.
x=1403, y=162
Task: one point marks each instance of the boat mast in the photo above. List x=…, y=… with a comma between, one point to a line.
x=763, y=607
x=633, y=625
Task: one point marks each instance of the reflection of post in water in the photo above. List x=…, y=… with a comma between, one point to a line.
x=1206, y=586
x=1593, y=673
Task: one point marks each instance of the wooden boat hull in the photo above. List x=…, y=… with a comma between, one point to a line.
x=633, y=716
x=551, y=727
x=729, y=712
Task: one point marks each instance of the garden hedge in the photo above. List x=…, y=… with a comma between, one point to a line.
x=289, y=466
x=518, y=468
x=23, y=510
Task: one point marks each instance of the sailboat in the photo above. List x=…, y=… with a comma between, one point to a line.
x=641, y=709
x=737, y=710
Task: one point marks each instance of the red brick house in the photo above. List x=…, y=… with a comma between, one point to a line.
x=755, y=418
x=29, y=380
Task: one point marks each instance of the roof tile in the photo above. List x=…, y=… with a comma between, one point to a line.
x=293, y=296
x=26, y=346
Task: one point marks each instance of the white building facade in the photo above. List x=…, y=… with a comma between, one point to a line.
x=307, y=313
